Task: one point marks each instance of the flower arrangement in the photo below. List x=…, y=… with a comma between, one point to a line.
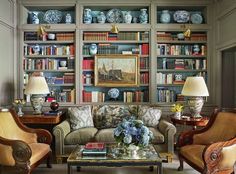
x=19, y=102
x=132, y=132
x=177, y=107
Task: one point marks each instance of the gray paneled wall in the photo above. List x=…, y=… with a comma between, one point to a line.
x=7, y=51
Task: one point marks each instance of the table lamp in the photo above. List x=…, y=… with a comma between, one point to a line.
x=195, y=89
x=37, y=87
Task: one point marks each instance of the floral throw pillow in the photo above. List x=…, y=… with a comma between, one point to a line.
x=150, y=116
x=80, y=117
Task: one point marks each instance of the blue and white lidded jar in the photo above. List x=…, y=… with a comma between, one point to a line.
x=68, y=18
x=165, y=16
x=101, y=18
x=93, y=49
x=143, y=17
x=127, y=17
x=87, y=16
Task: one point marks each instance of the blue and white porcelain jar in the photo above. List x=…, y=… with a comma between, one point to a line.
x=87, y=16
x=68, y=18
x=127, y=17
x=93, y=49
x=165, y=16
x=143, y=17
x=101, y=18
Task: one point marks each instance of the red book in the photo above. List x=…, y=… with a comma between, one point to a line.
x=95, y=145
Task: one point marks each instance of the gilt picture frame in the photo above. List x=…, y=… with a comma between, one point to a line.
x=116, y=70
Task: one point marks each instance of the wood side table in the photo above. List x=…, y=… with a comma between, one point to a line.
x=40, y=119
x=190, y=121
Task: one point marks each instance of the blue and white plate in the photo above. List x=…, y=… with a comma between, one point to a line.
x=196, y=18
x=53, y=16
x=114, y=16
x=113, y=93
x=181, y=16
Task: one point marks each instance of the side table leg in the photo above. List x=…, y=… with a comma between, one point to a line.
x=151, y=168
x=69, y=169
x=78, y=168
x=159, y=168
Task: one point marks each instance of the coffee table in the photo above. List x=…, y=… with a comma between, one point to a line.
x=116, y=157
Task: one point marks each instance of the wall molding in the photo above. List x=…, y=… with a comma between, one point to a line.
x=226, y=12
x=3, y=23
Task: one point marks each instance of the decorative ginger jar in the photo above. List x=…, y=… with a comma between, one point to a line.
x=101, y=18
x=143, y=17
x=68, y=18
x=93, y=49
x=127, y=17
x=165, y=16
x=87, y=16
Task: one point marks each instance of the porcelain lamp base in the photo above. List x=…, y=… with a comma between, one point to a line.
x=195, y=106
x=37, y=101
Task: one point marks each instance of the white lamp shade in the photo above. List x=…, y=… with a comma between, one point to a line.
x=195, y=86
x=37, y=85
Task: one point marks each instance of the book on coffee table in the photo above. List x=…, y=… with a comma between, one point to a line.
x=95, y=145
x=94, y=152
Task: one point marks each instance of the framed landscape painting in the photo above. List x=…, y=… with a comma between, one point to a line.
x=116, y=70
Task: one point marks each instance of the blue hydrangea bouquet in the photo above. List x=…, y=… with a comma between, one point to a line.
x=132, y=132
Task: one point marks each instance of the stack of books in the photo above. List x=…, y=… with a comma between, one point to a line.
x=94, y=149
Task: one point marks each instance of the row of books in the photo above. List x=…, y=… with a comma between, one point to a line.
x=93, y=96
x=58, y=50
x=198, y=64
x=170, y=78
x=46, y=64
x=106, y=36
x=64, y=95
x=166, y=36
x=67, y=78
x=165, y=95
x=102, y=49
x=65, y=36
x=135, y=96
x=144, y=78
x=169, y=49
x=88, y=64
x=33, y=36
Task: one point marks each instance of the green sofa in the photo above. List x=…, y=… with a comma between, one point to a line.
x=105, y=119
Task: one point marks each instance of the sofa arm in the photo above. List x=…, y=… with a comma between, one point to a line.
x=220, y=156
x=60, y=131
x=168, y=130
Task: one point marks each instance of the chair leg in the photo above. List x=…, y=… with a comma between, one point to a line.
x=49, y=160
x=181, y=164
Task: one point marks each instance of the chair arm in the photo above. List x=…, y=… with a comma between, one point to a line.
x=60, y=131
x=43, y=136
x=17, y=152
x=168, y=130
x=220, y=156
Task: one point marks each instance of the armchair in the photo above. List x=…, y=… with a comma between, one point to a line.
x=21, y=148
x=212, y=149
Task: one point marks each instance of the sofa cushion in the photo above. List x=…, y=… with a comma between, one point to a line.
x=149, y=115
x=81, y=136
x=158, y=137
x=108, y=116
x=80, y=117
x=105, y=135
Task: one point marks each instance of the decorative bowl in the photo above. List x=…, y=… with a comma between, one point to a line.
x=181, y=16
x=51, y=36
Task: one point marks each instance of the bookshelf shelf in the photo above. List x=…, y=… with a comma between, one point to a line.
x=49, y=42
x=181, y=70
x=118, y=41
x=47, y=56
x=181, y=42
x=182, y=56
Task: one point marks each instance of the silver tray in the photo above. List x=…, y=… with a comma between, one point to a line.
x=114, y=16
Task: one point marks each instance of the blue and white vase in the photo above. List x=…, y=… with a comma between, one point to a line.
x=127, y=17
x=34, y=18
x=101, y=18
x=68, y=18
x=87, y=16
x=93, y=49
x=196, y=49
x=143, y=17
x=165, y=16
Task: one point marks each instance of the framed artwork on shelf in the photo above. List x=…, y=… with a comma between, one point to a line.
x=117, y=70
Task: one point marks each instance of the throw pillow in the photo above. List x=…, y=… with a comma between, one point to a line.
x=80, y=117
x=150, y=116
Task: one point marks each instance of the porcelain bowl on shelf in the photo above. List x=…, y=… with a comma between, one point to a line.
x=181, y=16
x=51, y=36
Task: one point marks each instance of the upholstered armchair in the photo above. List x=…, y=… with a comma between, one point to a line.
x=212, y=149
x=21, y=148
